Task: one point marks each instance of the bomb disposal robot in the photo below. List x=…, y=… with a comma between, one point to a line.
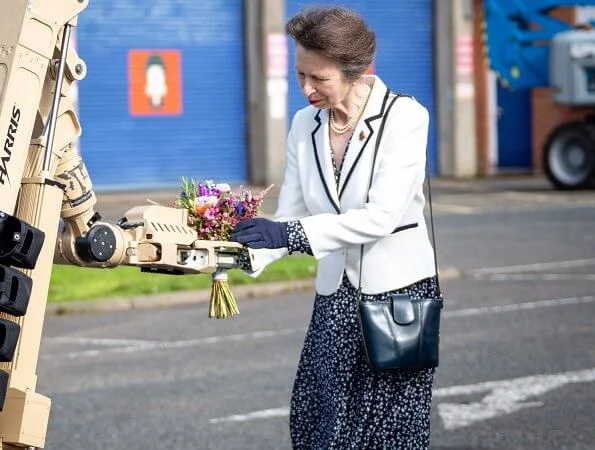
x=47, y=205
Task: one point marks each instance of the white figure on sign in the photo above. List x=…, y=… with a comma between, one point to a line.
x=156, y=87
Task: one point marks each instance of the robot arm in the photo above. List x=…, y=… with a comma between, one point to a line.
x=152, y=237
x=47, y=204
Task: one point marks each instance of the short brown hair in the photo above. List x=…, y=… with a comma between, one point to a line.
x=339, y=33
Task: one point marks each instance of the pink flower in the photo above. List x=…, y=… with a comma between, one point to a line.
x=209, y=214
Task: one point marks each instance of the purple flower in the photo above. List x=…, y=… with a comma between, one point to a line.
x=240, y=209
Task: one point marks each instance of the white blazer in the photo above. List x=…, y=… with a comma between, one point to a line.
x=391, y=225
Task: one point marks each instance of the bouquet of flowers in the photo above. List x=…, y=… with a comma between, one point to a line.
x=213, y=211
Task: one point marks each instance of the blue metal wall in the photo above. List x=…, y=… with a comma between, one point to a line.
x=405, y=50
x=208, y=139
x=515, y=141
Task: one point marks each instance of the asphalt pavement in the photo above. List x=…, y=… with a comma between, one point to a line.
x=517, y=358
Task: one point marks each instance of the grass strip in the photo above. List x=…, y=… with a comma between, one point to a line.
x=69, y=283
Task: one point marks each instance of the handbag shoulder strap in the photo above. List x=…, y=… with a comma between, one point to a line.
x=380, y=132
x=432, y=224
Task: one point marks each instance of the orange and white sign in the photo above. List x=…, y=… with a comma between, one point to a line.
x=155, y=82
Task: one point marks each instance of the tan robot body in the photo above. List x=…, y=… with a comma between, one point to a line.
x=47, y=205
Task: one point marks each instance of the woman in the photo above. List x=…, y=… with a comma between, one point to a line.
x=338, y=402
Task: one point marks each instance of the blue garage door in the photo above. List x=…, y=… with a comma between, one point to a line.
x=164, y=94
x=514, y=129
x=405, y=51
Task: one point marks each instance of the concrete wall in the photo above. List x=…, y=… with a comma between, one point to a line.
x=266, y=78
x=456, y=88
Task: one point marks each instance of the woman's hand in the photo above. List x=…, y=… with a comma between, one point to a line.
x=260, y=233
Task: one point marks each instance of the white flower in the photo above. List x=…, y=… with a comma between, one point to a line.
x=206, y=200
x=223, y=187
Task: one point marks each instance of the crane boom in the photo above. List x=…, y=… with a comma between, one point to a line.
x=517, y=35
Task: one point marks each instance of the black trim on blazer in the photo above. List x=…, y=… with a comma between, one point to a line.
x=405, y=227
x=371, y=130
x=320, y=172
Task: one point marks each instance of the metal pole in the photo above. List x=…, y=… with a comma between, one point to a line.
x=56, y=101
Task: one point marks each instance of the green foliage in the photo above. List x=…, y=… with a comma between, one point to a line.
x=78, y=283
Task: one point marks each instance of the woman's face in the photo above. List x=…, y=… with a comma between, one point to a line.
x=320, y=78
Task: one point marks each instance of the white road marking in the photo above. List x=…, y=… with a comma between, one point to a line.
x=504, y=397
x=264, y=414
x=131, y=346
x=518, y=306
x=453, y=209
x=538, y=277
x=576, y=199
x=152, y=345
x=530, y=197
x=534, y=267
x=96, y=341
x=508, y=201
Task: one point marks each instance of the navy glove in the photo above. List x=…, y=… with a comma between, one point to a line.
x=260, y=233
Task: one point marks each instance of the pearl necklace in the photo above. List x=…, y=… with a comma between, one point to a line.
x=351, y=122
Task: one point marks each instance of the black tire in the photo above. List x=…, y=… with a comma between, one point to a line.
x=569, y=156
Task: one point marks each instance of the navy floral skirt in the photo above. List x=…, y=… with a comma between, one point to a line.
x=338, y=402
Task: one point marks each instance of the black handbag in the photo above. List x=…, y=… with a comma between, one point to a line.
x=400, y=332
